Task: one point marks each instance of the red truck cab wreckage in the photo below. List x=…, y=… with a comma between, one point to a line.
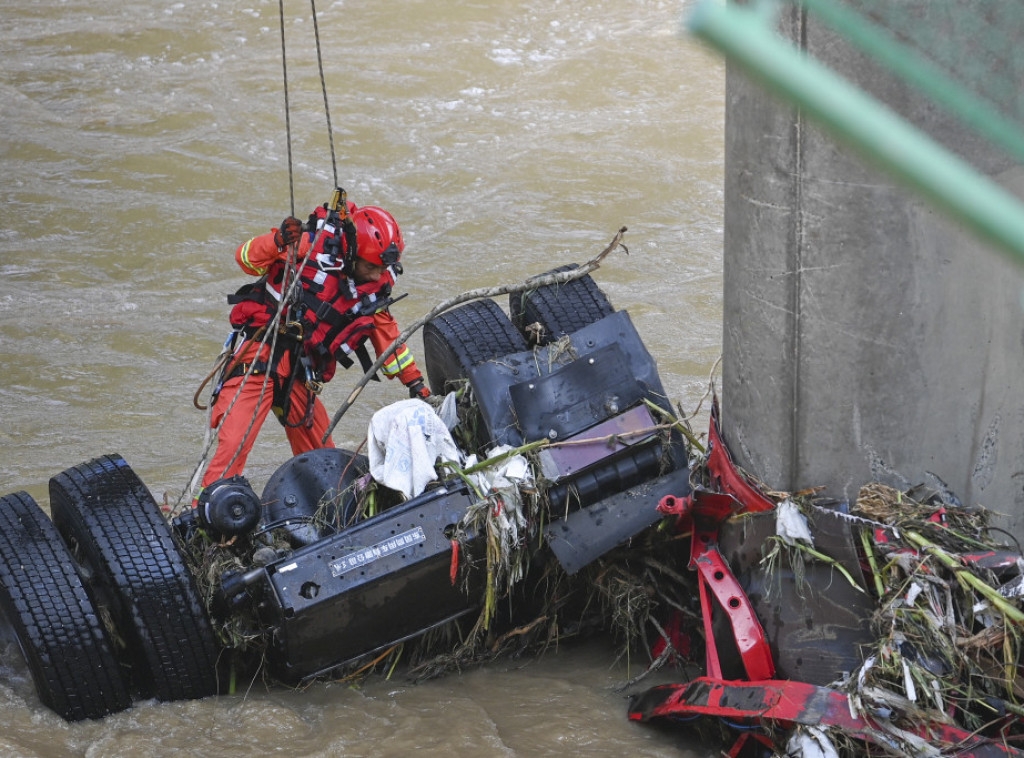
x=760, y=702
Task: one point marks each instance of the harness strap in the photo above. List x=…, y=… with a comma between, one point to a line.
x=364, y=359
x=241, y=369
x=282, y=404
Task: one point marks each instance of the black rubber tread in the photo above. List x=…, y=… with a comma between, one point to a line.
x=72, y=659
x=560, y=309
x=102, y=509
x=456, y=341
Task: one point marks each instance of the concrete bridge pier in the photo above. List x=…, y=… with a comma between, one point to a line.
x=866, y=337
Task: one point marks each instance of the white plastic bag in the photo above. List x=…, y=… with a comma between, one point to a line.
x=791, y=524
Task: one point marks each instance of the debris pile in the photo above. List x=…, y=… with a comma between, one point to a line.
x=940, y=671
x=948, y=624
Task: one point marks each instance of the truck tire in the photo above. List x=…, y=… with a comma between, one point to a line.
x=559, y=309
x=116, y=530
x=456, y=341
x=52, y=613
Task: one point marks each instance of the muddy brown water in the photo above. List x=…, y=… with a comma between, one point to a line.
x=142, y=141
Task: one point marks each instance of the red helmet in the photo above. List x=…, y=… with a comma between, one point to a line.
x=379, y=240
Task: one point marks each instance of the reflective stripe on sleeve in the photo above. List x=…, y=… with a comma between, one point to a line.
x=243, y=257
x=400, y=359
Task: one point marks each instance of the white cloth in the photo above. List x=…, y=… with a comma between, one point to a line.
x=791, y=524
x=405, y=440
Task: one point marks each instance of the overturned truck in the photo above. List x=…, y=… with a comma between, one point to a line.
x=111, y=603
x=887, y=626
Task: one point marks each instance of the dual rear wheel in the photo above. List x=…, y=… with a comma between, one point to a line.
x=53, y=615
x=99, y=598
x=457, y=340
x=479, y=331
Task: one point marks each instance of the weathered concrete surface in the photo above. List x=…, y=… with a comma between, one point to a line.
x=866, y=337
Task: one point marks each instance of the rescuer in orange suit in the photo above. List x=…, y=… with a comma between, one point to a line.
x=346, y=262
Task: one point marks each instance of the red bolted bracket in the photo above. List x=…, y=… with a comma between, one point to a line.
x=704, y=511
x=750, y=640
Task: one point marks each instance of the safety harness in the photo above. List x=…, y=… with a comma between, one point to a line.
x=329, y=318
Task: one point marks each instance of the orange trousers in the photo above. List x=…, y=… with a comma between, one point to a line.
x=241, y=426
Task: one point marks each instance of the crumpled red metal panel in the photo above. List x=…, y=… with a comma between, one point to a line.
x=789, y=704
x=724, y=473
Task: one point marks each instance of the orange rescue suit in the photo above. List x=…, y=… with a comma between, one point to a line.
x=305, y=419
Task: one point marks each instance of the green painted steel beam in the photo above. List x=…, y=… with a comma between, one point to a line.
x=880, y=44
x=744, y=36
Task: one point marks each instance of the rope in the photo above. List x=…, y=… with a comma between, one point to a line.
x=287, y=294
x=218, y=364
x=292, y=271
x=323, y=88
x=287, y=111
